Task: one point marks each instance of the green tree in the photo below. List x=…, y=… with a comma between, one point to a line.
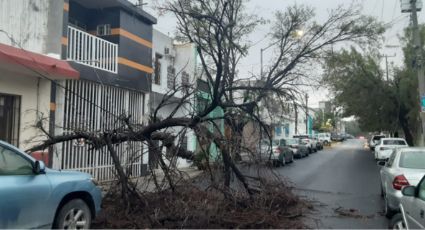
x=358, y=84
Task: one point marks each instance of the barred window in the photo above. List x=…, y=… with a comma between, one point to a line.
x=171, y=77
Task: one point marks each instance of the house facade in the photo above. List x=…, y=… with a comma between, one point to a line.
x=174, y=75
x=104, y=48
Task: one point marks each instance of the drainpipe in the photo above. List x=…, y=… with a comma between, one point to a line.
x=52, y=120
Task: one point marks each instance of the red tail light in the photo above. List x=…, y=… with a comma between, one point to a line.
x=276, y=151
x=399, y=182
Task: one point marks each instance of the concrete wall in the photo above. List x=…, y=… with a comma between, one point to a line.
x=35, y=96
x=35, y=25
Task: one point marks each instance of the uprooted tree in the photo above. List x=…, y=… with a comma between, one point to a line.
x=219, y=31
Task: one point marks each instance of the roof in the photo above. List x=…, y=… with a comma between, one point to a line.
x=30, y=63
x=123, y=4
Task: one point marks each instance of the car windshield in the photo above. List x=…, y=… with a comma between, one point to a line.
x=394, y=142
x=291, y=141
x=412, y=160
x=377, y=138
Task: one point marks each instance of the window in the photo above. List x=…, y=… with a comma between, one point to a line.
x=157, y=73
x=412, y=160
x=12, y=163
x=394, y=142
x=9, y=118
x=171, y=77
x=185, y=82
x=391, y=159
x=102, y=30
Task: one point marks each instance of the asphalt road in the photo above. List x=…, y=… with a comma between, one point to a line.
x=344, y=183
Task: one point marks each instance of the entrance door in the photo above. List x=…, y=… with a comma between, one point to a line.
x=10, y=107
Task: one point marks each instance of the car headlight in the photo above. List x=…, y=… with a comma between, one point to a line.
x=94, y=181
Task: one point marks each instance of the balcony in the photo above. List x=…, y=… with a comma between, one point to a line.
x=92, y=51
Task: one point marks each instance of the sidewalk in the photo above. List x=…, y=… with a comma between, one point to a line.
x=147, y=184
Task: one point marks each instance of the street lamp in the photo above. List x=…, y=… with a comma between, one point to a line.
x=261, y=57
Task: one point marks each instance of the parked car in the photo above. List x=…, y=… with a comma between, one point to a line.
x=279, y=154
x=412, y=208
x=298, y=149
x=337, y=137
x=404, y=167
x=319, y=143
x=33, y=196
x=385, y=147
x=311, y=143
x=325, y=138
x=374, y=140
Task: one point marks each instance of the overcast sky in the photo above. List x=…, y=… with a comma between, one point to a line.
x=387, y=11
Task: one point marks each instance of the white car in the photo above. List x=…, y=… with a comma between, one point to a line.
x=385, y=147
x=374, y=140
x=325, y=138
x=406, y=166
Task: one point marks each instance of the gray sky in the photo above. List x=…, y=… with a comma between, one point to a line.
x=387, y=11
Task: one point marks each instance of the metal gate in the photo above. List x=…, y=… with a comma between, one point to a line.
x=90, y=106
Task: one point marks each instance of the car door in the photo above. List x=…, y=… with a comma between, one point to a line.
x=23, y=194
x=415, y=208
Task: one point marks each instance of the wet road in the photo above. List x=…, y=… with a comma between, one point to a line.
x=340, y=178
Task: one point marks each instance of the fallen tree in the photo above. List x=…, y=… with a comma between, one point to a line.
x=219, y=29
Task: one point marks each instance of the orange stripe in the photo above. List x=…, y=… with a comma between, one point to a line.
x=66, y=6
x=52, y=106
x=125, y=33
x=64, y=41
x=135, y=65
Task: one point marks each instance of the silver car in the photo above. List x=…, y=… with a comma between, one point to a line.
x=406, y=166
x=412, y=208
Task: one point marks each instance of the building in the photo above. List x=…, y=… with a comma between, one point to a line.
x=174, y=74
x=97, y=57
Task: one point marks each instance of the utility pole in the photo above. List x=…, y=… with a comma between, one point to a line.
x=418, y=63
x=306, y=114
x=386, y=63
x=296, y=119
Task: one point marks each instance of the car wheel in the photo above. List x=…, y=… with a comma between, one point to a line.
x=397, y=222
x=387, y=210
x=73, y=215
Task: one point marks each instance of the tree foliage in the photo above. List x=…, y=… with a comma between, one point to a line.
x=358, y=84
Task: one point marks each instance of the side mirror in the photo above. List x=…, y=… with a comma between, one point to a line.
x=39, y=167
x=382, y=163
x=409, y=191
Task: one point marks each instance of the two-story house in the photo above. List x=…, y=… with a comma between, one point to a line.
x=101, y=51
x=174, y=76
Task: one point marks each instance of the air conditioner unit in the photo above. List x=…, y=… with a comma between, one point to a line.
x=103, y=30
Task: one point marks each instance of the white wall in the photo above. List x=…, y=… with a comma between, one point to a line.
x=182, y=57
x=33, y=99
x=35, y=25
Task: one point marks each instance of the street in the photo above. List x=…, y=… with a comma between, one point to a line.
x=342, y=177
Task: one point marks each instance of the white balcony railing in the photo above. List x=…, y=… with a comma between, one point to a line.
x=90, y=50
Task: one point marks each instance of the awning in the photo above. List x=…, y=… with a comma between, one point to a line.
x=29, y=63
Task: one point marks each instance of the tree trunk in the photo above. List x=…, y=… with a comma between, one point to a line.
x=404, y=123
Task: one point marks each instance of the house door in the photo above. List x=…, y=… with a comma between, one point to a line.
x=9, y=118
